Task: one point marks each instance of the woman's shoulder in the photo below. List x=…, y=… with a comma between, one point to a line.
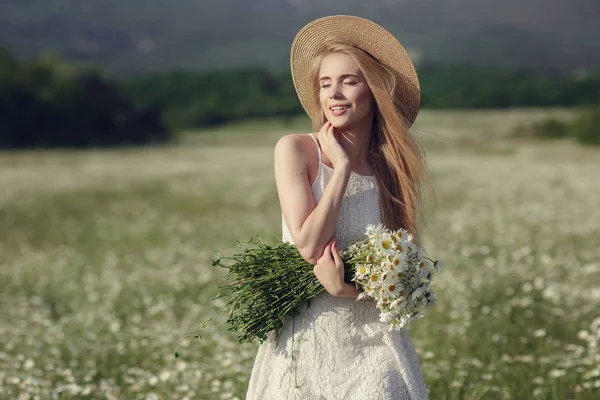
x=297, y=138
x=295, y=145
x=297, y=151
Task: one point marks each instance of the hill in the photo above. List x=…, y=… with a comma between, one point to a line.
x=152, y=35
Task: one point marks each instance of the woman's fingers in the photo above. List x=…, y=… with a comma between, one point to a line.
x=336, y=254
x=327, y=256
x=330, y=130
x=324, y=128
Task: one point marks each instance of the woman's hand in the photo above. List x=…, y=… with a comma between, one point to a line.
x=332, y=148
x=329, y=269
x=330, y=272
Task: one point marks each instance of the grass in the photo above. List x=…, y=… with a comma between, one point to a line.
x=105, y=263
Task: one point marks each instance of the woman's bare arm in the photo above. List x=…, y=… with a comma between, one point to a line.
x=311, y=225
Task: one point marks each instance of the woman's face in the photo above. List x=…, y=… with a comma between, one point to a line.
x=344, y=94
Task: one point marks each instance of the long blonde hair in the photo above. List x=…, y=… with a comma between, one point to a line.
x=396, y=156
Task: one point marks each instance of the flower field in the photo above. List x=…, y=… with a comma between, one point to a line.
x=105, y=263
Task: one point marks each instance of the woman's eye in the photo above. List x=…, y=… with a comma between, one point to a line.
x=352, y=83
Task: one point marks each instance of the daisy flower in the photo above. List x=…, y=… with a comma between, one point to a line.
x=375, y=277
x=397, y=304
x=370, y=291
x=362, y=271
x=413, y=251
x=385, y=246
x=424, y=265
x=399, y=275
x=394, y=290
x=386, y=317
x=400, y=250
x=375, y=231
x=383, y=303
x=403, y=235
x=417, y=293
x=431, y=298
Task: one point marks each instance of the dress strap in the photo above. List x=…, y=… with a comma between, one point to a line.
x=318, y=147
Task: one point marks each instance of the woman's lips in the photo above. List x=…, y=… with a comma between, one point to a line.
x=339, y=110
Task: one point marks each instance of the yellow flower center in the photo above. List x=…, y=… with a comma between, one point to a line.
x=386, y=244
x=374, y=277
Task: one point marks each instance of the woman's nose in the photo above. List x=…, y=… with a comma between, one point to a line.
x=336, y=93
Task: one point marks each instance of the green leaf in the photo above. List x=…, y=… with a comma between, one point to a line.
x=205, y=323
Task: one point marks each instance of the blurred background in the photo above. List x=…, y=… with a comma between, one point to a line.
x=136, y=138
x=109, y=72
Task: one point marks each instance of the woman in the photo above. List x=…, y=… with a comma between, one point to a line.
x=361, y=91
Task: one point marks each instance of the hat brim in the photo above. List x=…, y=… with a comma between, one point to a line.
x=361, y=33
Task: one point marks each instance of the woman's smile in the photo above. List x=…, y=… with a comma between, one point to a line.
x=339, y=109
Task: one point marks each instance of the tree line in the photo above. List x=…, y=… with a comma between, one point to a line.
x=203, y=98
x=52, y=103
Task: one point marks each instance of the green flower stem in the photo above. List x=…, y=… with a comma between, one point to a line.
x=266, y=284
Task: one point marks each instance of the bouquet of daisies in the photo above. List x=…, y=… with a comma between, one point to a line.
x=267, y=283
x=395, y=274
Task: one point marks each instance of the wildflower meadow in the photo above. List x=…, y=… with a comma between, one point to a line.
x=105, y=263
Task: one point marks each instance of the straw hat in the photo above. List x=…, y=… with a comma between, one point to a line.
x=361, y=33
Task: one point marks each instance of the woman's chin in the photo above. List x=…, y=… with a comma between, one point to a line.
x=340, y=123
x=343, y=125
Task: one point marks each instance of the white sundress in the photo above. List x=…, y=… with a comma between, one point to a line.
x=340, y=349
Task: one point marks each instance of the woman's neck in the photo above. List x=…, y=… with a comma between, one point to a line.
x=355, y=142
